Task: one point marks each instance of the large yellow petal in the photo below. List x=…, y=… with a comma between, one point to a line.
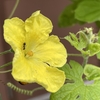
x=22, y=68
x=52, y=52
x=38, y=28
x=32, y=70
x=14, y=32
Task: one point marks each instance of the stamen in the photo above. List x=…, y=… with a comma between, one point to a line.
x=30, y=53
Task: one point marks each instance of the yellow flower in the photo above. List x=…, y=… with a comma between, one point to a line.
x=37, y=55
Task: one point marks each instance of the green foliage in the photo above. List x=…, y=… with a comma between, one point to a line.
x=93, y=49
x=77, y=90
x=67, y=17
x=85, y=42
x=80, y=12
x=88, y=44
x=73, y=71
x=92, y=72
x=88, y=11
x=79, y=43
x=98, y=55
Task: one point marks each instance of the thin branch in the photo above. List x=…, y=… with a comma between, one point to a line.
x=38, y=88
x=85, y=60
x=5, y=52
x=15, y=6
x=77, y=55
x=1, y=72
x=7, y=64
x=61, y=38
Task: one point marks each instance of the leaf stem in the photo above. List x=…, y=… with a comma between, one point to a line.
x=85, y=60
x=1, y=72
x=38, y=88
x=7, y=64
x=5, y=52
x=14, y=8
x=61, y=38
x=77, y=55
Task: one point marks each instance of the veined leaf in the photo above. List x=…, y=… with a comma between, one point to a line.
x=73, y=71
x=77, y=90
x=88, y=11
x=80, y=43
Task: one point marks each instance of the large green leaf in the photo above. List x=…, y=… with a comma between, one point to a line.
x=88, y=11
x=67, y=18
x=77, y=90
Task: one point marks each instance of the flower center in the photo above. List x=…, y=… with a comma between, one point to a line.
x=30, y=53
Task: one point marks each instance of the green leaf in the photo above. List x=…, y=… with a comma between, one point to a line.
x=88, y=11
x=93, y=48
x=92, y=72
x=80, y=43
x=83, y=41
x=67, y=18
x=77, y=90
x=72, y=38
x=71, y=69
x=98, y=55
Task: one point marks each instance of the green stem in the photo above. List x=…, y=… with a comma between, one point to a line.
x=5, y=52
x=36, y=89
x=77, y=55
x=61, y=38
x=0, y=97
x=85, y=61
x=15, y=6
x=1, y=72
x=7, y=64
